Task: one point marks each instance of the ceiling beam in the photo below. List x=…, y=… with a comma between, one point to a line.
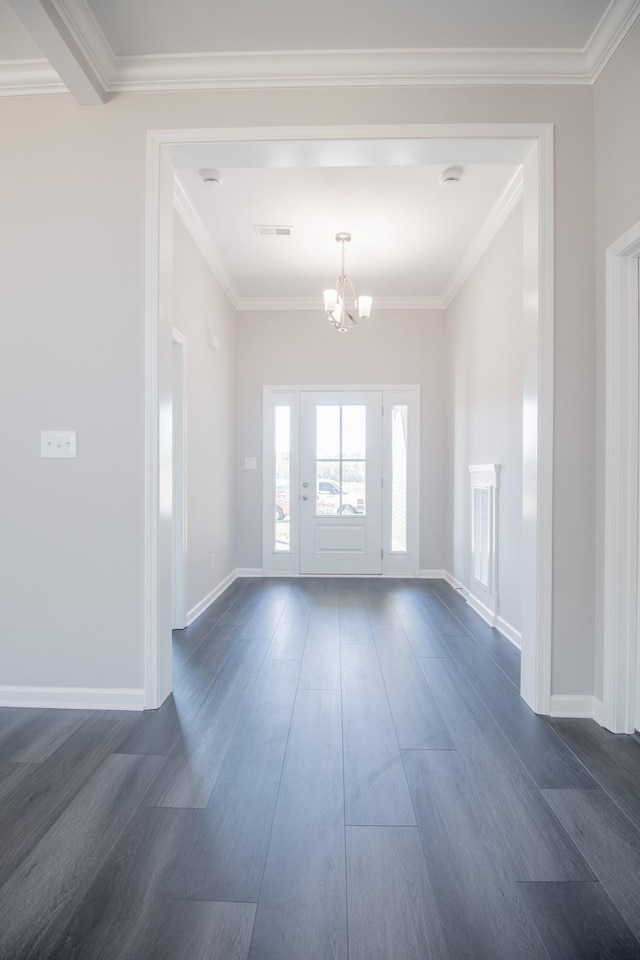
x=61, y=50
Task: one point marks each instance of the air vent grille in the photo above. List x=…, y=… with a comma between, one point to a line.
x=268, y=230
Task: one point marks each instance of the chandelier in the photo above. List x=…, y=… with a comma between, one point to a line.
x=341, y=306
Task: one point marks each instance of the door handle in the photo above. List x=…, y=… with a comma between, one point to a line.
x=305, y=484
x=304, y=496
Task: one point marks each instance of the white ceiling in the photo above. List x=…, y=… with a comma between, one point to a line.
x=409, y=233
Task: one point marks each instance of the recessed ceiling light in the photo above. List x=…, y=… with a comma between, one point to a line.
x=211, y=176
x=451, y=177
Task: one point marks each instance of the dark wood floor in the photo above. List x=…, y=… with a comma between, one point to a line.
x=345, y=770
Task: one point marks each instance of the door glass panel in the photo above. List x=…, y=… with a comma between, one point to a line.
x=341, y=432
x=399, y=477
x=354, y=432
x=353, y=487
x=328, y=432
x=282, y=479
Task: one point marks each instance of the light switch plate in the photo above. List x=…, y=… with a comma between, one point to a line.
x=250, y=463
x=58, y=443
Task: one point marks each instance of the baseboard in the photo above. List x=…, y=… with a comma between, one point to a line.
x=581, y=706
x=483, y=611
x=513, y=636
x=253, y=572
x=433, y=575
x=73, y=698
x=200, y=607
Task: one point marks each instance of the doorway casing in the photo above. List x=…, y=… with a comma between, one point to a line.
x=620, y=706
x=529, y=144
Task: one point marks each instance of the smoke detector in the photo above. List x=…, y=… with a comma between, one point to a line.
x=451, y=177
x=211, y=176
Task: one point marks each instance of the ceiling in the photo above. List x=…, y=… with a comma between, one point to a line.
x=409, y=232
x=413, y=241
x=98, y=48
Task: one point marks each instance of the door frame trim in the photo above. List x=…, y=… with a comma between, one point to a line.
x=289, y=564
x=534, y=141
x=622, y=447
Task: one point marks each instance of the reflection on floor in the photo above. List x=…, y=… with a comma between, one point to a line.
x=346, y=769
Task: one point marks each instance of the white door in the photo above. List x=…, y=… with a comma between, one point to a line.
x=340, y=479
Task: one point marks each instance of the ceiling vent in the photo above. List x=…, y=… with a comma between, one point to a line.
x=273, y=231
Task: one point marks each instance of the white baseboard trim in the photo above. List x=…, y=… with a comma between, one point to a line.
x=513, y=636
x=456, y=584
x=433, y=575
x=254, y=572
x=73, y=698
x=200, y=607
x=483, y=611
x=582, y=706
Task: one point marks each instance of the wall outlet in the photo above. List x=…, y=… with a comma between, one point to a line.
x=213, y=561
x=58, y=443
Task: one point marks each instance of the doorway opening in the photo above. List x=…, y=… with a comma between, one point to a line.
x=529, y=145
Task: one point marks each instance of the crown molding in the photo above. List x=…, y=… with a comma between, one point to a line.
x=324, y=68
x=202, y=239
x=348, y=68
x=314, y=304
x=19, y=78
x=489, y=229
x=614, y=25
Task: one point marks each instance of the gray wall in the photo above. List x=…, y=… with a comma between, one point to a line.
x=484, y=339
x=72, y=308
x=202, y=309
x=402, y=347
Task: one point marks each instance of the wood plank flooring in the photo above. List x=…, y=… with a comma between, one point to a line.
x=345, y=771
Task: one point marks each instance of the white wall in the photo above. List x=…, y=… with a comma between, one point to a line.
x=617, y=209
x=484, y=341
x=403, y=347
x=202, y=310
x=72, y=312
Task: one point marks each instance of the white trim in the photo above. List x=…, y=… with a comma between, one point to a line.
x=327, y=68
x=532, y=143
x=179, y=393
x=440, y=575
x=151, y=418
x=617, y=20
x=511, y=196
x=202, y=239
x=513, y=636
x=622, y=375
x=255, y=572
x=73, y=698
x=48, y=27
x=247, y=304
x=29, y=78
x=456, y=584
x=580, y=706
x=211, y=597
x=482, y=610
x=538, y=425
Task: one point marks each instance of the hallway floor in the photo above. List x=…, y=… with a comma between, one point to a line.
x=345, y=770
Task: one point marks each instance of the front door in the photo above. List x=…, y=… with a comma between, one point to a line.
x=340, y=479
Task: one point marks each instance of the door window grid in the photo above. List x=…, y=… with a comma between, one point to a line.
x=340, y=459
